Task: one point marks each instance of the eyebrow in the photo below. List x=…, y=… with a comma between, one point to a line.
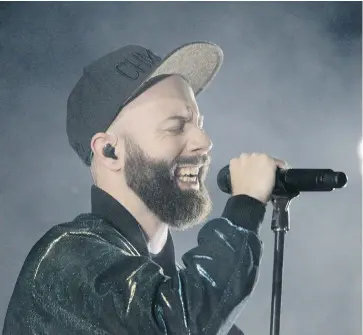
x=186, y=118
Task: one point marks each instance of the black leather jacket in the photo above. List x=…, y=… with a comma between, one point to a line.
x=95, y=276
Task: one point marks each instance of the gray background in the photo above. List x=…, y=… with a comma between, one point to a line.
x=290, y=86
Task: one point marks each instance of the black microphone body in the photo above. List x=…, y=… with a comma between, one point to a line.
x=294, y=180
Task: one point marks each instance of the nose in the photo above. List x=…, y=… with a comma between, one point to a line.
x=199, y=142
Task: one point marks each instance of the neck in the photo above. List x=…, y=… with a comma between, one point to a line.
x=156, y=230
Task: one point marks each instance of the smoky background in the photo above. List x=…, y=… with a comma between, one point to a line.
x=290, y=86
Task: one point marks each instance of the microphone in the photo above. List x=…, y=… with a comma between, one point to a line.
x=294, y=180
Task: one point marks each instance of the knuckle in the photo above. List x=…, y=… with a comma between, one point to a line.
x=233, y=162
x=266, y=158
x=263, y=155
x=242, y=158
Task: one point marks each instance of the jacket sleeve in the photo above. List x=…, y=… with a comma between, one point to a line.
x=84, y=279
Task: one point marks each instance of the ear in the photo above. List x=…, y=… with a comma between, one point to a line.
x=99, y=141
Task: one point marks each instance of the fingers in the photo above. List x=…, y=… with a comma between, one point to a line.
x=282, y=164
x=279, y=163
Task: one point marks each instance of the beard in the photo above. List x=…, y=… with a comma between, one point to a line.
x=156, y=184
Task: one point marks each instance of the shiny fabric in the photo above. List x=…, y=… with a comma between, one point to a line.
x=94, y=275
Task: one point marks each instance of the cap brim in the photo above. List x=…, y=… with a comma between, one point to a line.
x=197, y=62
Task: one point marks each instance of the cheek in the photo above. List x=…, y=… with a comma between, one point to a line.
x=170, y=147
x=166, y=147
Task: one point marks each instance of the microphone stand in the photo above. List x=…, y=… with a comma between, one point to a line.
x=280, y=225
x=283, y=193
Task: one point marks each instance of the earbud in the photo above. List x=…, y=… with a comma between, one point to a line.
x=109, y=151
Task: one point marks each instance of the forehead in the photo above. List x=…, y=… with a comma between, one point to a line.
x=170, y=96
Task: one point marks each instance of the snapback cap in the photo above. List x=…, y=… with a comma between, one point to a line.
x=110, y=82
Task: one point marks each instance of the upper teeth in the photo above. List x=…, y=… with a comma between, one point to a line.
x=188, y=171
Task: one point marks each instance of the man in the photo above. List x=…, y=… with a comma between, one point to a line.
x=133, y=119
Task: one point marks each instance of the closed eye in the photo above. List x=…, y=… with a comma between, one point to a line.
x=179, y=128
x=181, y=123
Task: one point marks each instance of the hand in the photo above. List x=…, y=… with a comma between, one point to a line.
x=254, y=175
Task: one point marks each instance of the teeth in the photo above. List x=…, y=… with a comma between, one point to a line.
x=188, y=179
x=188, y=171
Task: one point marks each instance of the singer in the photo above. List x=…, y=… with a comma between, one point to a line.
x=132, y=118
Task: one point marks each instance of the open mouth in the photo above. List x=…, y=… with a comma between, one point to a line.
x=187, y=175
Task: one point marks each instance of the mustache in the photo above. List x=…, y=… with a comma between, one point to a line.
x=193, y=160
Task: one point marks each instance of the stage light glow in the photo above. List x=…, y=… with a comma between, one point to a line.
x=360, y=154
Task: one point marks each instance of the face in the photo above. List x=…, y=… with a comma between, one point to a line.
x=180, y=204
x=166, y=155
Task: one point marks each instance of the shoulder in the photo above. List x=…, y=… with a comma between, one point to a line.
x=86, y=226
x=87, y=237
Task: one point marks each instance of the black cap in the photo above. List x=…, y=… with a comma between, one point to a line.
x=110, y=82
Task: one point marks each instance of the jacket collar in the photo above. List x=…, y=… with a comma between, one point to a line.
x=108, y=208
